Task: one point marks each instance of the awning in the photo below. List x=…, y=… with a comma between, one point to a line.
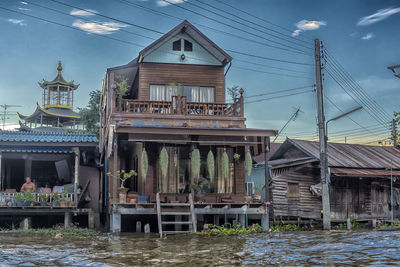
x=33, y=149
x=363, y=172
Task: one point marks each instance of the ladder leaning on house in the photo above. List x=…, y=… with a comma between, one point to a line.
x=176, y=211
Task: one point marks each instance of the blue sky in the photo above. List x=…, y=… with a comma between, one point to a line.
x=362, y=35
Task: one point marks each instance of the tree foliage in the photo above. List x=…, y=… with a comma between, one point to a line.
x=233, y=92
x=90, y=115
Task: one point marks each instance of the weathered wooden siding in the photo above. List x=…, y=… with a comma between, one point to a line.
x=304, y=205
x=158, y=73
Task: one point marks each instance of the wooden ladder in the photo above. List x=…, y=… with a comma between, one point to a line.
x=191, y=222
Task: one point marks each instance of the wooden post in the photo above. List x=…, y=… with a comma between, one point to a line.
x=76, y=175
x=1, y=177
x=115, y=168
x=265, y=216
x=322, y=138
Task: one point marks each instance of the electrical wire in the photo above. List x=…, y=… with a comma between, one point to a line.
x=280, y=91
x=275, y=97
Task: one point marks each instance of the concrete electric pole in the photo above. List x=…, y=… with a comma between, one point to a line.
x=322, y=138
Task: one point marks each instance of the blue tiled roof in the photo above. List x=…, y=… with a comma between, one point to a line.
x=14, y=136
x=38, y=149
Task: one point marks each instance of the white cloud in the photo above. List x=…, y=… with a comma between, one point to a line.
x=368, y=36
x=381, y=14
x=308, y=25
x=84, y=13
x=24, y=3
x=164, y=3
x=98, y=27
x=23, y=9
x=19, y=22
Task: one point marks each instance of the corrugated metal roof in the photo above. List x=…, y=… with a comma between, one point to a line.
x=363, y=172
x=14, y=136
x=353, y=155
x=33, y=149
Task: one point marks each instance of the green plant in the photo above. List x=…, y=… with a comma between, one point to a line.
x=29, y=197
x=123, y=175
x=56, y=197
x=164, y=162
x=43, y=197
x=236, y=156
x=211, y=165
x=144, y=164
x=354, y=223
x=225, y=165
x=121, y=88
x=63, y=195
x=195, y=163
x=19, y=197
x=229, y=230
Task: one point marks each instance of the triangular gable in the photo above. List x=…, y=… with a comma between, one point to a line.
x=290, y=150
x=204, y=50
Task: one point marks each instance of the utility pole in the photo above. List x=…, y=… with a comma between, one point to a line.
x=322, y=138
x=394, y=133
x=5, y=113
x=265, y=216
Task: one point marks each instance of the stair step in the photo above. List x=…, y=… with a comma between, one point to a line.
x=175, y=213
x=172, y=222
x=176, y=232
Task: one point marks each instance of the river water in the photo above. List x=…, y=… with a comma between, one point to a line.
x=295, y=248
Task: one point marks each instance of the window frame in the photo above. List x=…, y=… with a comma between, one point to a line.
x=177, y=42
x=189, y=43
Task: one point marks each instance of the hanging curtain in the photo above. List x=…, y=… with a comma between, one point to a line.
x=157, y=92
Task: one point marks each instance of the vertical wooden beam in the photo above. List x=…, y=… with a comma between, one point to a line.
x=48, y=95
x=115, y=168
x=76, y=174
x=58, y=94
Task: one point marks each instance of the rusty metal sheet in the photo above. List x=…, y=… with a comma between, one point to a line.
x=363, y=172
x=353, y=155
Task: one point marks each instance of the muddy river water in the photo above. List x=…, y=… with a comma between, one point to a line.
x=297, y=248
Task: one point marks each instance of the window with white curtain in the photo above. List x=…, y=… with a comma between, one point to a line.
x=200, y=94
x=192, y=93
x=163, y=92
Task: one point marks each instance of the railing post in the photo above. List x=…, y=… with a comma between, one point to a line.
x=241, y=102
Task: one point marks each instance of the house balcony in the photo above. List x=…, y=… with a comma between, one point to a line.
x=182, y=113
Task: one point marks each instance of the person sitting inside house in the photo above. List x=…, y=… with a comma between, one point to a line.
x=28, y=186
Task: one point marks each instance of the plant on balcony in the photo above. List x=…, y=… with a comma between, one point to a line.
x=63, y=198
x=248, y=163
x=225, y=165
x=144, y=164
x=195, y=164
x=121, y=89
x=19, y=199
x=211, y=165
x=236, y=156
x=43, y=199
x=56, y=199
x=175, y=87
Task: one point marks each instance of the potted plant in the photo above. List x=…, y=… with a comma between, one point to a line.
x=63, y=199
x=236, y=157
x=257, y=196
x=29, y=199
x=199, y=190
x=43, y=199
x=19, y=200
x=56, y=199
x=123, y=176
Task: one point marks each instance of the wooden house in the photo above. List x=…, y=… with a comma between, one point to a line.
x=360, y=181
x=176, y=102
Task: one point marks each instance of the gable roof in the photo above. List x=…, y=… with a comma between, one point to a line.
x=346, y=155
x=193, y=32
x=41, y=137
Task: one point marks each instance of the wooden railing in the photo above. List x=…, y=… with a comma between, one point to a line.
x=179, y=106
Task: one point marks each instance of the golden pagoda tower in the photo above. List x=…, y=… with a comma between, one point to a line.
x=57, y=104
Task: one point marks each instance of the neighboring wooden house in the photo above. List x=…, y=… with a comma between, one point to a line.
x=360, y=178
x=175, y=100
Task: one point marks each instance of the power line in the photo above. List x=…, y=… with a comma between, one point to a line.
x=280, y=91
x=157, y=12
x=268, y=66
x=272, y=73
x=262, y=19
x=268, y=58
x=377, y=118
x=246, y=25
x=356, y=86
x=275, y=97
x=146, y=28
x=295, y=50
x=82, y=18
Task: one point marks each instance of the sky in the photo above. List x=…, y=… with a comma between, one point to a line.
x=361, y=35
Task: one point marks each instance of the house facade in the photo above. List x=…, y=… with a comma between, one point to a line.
x=360, y=181
x=174, y=110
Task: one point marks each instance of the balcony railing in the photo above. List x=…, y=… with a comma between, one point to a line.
x=36, y=199
x=179, y=106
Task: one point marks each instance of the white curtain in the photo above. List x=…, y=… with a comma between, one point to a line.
x=163, y=92
x=201, y=94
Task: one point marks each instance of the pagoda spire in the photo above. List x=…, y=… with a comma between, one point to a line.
x=59, y=67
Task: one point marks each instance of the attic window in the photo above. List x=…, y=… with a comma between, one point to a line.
x=188, y=46
x=176, y=46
